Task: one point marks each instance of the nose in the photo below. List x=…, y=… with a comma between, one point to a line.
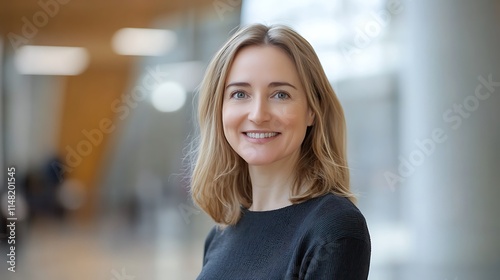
x=259, y=111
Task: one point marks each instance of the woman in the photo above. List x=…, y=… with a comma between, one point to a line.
x=271, y=165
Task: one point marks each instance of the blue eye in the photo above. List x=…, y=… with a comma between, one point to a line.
x=238, y=95
x=282, y=95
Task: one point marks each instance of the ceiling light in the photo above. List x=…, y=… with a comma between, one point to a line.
x=168, y=97
x=50, y=60
x=143, y=42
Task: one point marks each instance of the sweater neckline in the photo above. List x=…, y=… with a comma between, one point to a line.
x=282, y=209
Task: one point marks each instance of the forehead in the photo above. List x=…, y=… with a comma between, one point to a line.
x=262, y=64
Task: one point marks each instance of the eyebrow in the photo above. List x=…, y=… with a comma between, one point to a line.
x=271, y=85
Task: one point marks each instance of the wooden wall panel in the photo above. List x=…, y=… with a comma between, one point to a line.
x=88, y=123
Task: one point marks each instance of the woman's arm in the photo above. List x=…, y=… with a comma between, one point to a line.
x=343, y=259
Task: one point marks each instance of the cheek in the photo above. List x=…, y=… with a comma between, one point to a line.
x=229, y=118
x=225, y=119
x=291, y=116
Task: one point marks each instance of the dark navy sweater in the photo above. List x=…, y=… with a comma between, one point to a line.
x=323, y=238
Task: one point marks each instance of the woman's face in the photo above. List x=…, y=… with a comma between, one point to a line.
x=265, y=113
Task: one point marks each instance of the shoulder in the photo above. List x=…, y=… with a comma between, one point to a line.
x=334, y=240
x=208, y=240
x=332, y=217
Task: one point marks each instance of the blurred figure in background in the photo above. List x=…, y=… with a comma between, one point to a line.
x=42, y=185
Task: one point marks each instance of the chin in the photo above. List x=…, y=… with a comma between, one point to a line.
x=258, y=161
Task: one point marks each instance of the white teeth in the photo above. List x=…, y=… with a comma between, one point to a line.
x=261, y=135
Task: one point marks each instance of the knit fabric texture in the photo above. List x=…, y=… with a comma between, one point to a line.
x=322, y=238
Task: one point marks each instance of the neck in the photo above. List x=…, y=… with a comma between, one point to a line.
x=271, y=185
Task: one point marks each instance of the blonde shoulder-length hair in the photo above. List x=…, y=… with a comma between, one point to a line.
x=220, y=182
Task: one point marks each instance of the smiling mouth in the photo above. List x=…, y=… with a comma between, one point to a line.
x=255, y=135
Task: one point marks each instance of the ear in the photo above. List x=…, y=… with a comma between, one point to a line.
x=310, y=117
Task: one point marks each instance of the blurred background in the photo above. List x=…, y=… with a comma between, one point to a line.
x=96, y=113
